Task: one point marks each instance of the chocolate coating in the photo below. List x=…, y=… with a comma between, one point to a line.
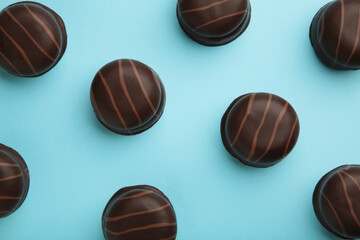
x=260, y=129
x=139, y=213
x=14, y=181
x=335, y=32
x=336, y=201
x=128, y=97
x=32, y=39
x=213, y=22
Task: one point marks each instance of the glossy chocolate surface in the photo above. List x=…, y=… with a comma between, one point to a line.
x=139, y=213
x=260, y=129
x=213, y=22
x=14, y=181
x=128, y=97
x=335, y=32
x=32, y=39
x=336, y=201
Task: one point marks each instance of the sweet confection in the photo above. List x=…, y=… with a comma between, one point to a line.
x=14, y=181
x=32, y=39
x=139, y=212
x=260, y=129
x=213, y=22
x=336, y=201
x=335, y=32
x=128, y=97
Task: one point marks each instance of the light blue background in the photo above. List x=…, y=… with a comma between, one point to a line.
x=76, y=164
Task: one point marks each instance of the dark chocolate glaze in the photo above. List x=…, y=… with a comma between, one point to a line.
x=260, y=129
x=128, y=97
x=213, y=22
x=139, y=213
x=335, y=33
x=336, y=201
x=14, y=181
x=32, y=39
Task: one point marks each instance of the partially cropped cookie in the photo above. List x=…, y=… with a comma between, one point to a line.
x=335, y=32
x=139, y=213
x=336, y=201
x=128, y=96
x=213, y=22
x=14, y=181
x=260, y=129
x=32, y=39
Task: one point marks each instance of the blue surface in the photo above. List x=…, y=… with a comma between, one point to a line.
x=76, y=164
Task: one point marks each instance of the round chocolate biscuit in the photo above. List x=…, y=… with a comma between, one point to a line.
x=260, y=129
x=336, y=201
x=139, y=212
x=335, y=33
x=128, y=97
x=32, y=39
x=213, y=22
x=14, y=181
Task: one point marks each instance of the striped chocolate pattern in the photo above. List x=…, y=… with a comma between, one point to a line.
x=336, y=201
x=335, y=34
x=128, y=97
x=139, y=212
x=14, y=181
x=213, y=22
x=32, y=39
x=260, y=129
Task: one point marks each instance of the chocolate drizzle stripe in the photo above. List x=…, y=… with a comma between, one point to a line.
x=248, y=109
x=282, y=113
x=29, y=35
x=10, y=63
x=290, y=137
x=356, y=41
x=9, y=198
x=159, y=87
x=43, y=25
x=157, y=225
x=169, y=238
x=341, y=30
x=156, y=80
x=136, y=195
x=96, y=106
x=335, y=213
x=352, y=179
x=114, y=219
x=19, y=49
x=142, y=86
x=9, y=164
x=322, y=28
x=205, y=7
x=10, y=178
x=220, y=18
x=253, y=146
x=351, y=209
x=112, y=100
x=4, y=212
x=123, y=85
